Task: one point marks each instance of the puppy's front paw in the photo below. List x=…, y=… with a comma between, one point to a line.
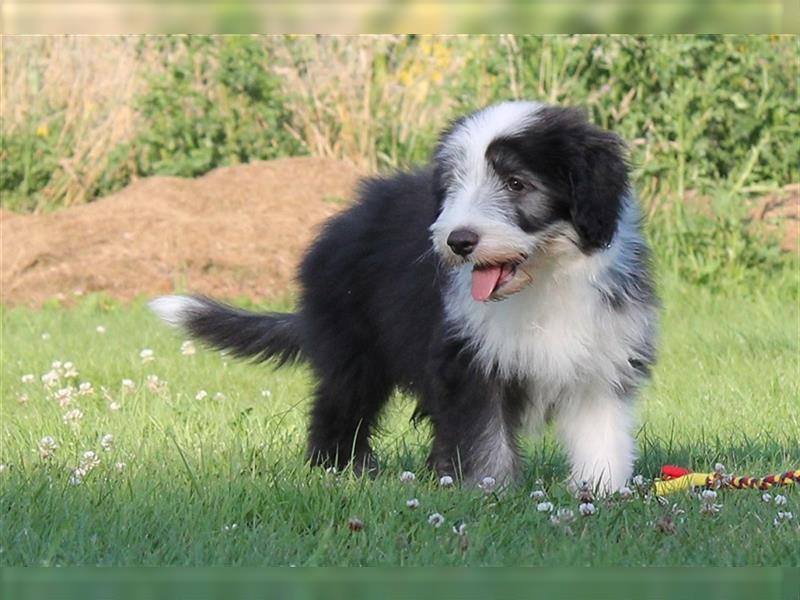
x=599, y=482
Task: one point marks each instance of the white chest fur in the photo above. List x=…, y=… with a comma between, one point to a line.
x=557, y=333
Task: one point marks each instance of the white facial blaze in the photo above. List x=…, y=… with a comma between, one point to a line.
x=471, y=202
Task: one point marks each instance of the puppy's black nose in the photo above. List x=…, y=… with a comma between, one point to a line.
x=462, y=241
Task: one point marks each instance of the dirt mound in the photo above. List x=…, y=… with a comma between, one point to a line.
x=778, y=211
x=237, y=231
x=781, y=212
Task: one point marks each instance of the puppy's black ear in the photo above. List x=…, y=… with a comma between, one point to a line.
x=599, y=182
x=584, y=166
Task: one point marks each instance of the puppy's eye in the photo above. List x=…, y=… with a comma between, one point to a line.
x=514, y=185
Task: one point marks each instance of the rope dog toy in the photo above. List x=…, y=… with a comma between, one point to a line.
x=674, y=479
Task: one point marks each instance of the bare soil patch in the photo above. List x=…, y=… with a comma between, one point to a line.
x=781, y=212
x=778, y=211
x=235, y=232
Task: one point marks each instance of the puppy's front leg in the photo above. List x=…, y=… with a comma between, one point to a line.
x=474, y=418
x=474, y=428
x=473, y=448
x=597, y=432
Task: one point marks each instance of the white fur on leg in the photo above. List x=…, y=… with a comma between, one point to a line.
x=495, y=454
x=597, y=434
x=175, y=310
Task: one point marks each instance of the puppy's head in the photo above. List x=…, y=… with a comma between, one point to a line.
x=520, y=180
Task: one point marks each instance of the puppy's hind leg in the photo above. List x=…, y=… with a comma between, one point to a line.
x=347, y=405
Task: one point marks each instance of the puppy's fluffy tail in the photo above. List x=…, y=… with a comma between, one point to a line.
x=244, y=334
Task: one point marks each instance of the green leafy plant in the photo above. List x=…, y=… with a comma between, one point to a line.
x=27, y=161
x=218, y=103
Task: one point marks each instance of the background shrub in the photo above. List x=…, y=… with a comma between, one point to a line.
x=215, y=102
x=713, y=118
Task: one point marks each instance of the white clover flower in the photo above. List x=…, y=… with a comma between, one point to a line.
x=625, y=492
x=187, y=348
x=780, y=500
x=545, y=507
x=85, y=388
x=407, y=477
x=147, y=355
x=766, y=497
x=47, y=446
x=638, y=481
x=114, y=405
x=266, y=393
x=460, y=528
x=51, y=378
x=487, y=484
x=201, y=395
x=70, y=372
x=89, y=461
x=445, y=481
x=64, y=396
x=436, y=520
x=562, y=515
x=584, y=493
x=412, y=503
x=538, y=495
x=100, y=329
x=154, y=384
x=565, y=514
x=107, y=442
x=355, y=524
x=708, y=495
x=119, y=466
x=587, y=509
x=56, y=365
x=219, y=397
x=72, y=417
x=128, y=385
x=27, y=378
x=709, y=508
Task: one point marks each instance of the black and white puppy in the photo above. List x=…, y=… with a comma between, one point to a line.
x=504, y=286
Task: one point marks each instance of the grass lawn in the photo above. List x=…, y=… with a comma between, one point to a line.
x=206, y=463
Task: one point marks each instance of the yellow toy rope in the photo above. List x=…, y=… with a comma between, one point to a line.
x=669, y=486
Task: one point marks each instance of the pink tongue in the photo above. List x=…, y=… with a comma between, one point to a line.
x=484, y=281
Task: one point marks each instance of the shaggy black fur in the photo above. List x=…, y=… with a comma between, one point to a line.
x=371, y=315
